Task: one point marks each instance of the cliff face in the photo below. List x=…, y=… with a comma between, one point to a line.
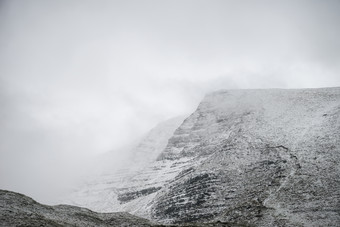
x=264, y=157
x=253, y=157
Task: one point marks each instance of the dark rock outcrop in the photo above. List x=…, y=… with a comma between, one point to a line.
x=128, y=196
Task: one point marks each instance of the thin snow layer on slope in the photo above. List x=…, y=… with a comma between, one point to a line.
x=267, y=158
x=101, y=192
x=287, y=114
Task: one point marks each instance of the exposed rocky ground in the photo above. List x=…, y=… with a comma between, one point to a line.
x=268, y=158
x=263, y=157
x=248, y=157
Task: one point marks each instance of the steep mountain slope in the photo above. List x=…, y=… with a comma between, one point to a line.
x=253, y=157
x=267, y=157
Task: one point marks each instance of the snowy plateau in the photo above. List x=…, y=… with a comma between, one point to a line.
x=263, y=157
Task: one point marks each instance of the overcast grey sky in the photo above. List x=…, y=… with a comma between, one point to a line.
x=79, y=78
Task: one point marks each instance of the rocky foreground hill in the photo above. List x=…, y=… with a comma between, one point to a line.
x=19, y=210
x=250, y=157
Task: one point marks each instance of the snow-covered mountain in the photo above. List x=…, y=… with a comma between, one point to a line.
x=253, y=157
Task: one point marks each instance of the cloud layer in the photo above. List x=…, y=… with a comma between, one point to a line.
x=79, y=78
